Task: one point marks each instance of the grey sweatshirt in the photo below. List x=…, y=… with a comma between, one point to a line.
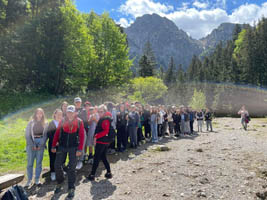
x=29, y=135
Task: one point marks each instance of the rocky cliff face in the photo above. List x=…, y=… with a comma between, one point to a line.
x=221, y=34
x=165, y=38
x=168, y=40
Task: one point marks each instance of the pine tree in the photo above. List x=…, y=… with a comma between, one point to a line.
x=145, y=67
x=170, y=76
x=148, y=51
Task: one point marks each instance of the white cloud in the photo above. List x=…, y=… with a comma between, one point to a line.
x=141, y=7
x=196, y=21
x=123, y=22
x=248, y=13
x=200, y=5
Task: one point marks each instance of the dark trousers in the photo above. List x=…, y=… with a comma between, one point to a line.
x=165, y=126
x=122, y=137
x=192, y=126
x=52, y=159
x=147, y=130
x=160, y=130
x=177, y=128
x=170, y=124
x=60, y=157
x=140, y=135
x=100, y=154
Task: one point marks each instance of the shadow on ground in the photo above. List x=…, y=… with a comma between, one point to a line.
x=100, y=189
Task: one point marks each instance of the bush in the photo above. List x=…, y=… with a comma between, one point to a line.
x=148, y=90
x=198, y=100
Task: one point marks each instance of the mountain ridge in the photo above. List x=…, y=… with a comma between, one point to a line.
x=168, y=40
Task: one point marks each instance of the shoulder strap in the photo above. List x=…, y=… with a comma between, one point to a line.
x=61, y=127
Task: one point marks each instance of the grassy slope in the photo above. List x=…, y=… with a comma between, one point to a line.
x=12, y=141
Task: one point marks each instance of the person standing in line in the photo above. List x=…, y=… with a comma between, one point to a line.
x=49, y=134
x=121, y=129
x=177, y=122
x=93, y=119
x=208, y=119
x=154, y=125
x=146, y=115
x=83, y=115
x=187, y=121
x=244, y=117
x=140, y=135
x=35, y=145
x=170, y=121
x=70, y=139
x=160, y=119
x=133, y=120
x=112, y=109
x=183, y=119
x=63, y=107
x=200, y=118
x=102, y=142
x=191, y=119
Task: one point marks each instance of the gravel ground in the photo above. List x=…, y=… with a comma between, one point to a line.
x=229, y=163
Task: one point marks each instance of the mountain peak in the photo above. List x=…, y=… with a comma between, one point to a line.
x=166, y=39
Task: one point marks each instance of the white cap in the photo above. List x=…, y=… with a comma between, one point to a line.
x=71, y=108
x=77, y=99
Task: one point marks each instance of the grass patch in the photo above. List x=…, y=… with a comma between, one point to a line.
x=13, y=156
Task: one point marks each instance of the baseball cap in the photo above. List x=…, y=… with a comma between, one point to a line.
x=87, y=103
x=77, y=99
x=71, y=108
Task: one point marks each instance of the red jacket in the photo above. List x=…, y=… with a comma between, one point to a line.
x=105, y=126
x=70, y=127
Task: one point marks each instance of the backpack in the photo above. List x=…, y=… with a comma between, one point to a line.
x=111, y=134
x=15, y=193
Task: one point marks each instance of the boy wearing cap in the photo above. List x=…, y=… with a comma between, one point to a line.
x=69, y=137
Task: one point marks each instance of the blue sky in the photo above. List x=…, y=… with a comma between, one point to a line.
x=197, y=17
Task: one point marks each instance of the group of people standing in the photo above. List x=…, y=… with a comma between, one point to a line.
x=77, y=131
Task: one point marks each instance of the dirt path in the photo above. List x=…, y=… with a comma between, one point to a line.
x=227, y=164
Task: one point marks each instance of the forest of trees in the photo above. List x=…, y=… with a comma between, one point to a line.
x=220, y=75
x=49, y=48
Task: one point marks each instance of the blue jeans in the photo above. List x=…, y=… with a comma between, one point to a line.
x=33, y=155
x=37, y=142
x=154, y=132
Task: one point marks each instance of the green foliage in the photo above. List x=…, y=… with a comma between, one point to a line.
x=58, y=50
x=12, y=102
x=147, y=62
x=148, y=90
x=145, y=67
x=198, y=100
x=111, y=65
x=170, y=76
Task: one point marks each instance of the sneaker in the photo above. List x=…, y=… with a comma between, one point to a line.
x=71, y=193
x=79, y=165
x=90, y=156
x=58, y=189
x=37, y=182
x=111, y=151
x=53, y=176
x=91, y=177
x=108, y=175
x=29, y=182
x=91, y=161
